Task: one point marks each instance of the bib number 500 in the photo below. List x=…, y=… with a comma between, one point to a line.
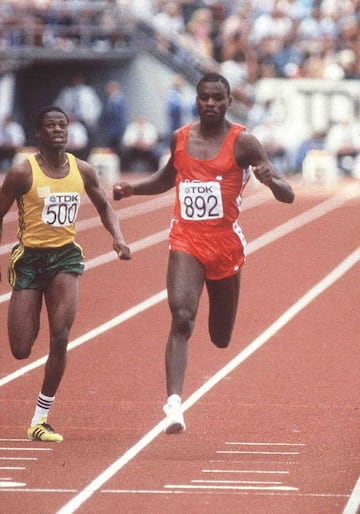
x=61, y=210
x=200, y=200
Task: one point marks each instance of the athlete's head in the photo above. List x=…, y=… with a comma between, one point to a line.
x=41, y=115
x=213, y=99
x=214, y=77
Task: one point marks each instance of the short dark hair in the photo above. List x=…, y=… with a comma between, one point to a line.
x=50, y=108
x=214, y=77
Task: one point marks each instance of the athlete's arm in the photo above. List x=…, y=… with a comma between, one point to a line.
x=17, y=182
x=159, y=182
x=250, y=152
x=107, y=214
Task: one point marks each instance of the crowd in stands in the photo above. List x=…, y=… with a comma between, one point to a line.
x=245, y=40
x=265, y=38
x=63, y=24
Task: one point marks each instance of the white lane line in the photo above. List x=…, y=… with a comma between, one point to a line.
x=6, y=484
x=27, y=449
x=285, y=318
x=246, y=471
x=245, y=443
x=353, y=505
x=210, y=492
x=18, y=458
x=13, y=467
x=237, y=452
x=233, y=487
x=13, y=439
x=246, y=462
x=29, y=490
x=235, y=482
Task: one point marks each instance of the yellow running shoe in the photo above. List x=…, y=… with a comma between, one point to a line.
x=42, y=431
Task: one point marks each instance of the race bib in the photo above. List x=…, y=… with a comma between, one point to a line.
x=200, y=200
x=60, y=209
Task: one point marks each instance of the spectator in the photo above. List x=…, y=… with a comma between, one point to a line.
x=178, y=109
x=271, y=26
x=316, y=141
x=82, y=100
x=260, y=111
x=198, y=34
x=343, y=140
x=273, y=136
x=114, y=117
x=140, y=145
x=346, y=59
x=169, y=21
x=289, y=58
x=236, y=71
x=234, y=31
x=12, y=137
x=78, y=138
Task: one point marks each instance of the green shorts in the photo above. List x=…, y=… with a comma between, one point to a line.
x=34, y=268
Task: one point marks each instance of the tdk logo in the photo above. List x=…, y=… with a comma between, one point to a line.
x=65, y=198
x=199, y=189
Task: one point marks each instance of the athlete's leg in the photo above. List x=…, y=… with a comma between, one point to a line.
x=185, y=280
x=61, y=301
x=23, y=320
x=223, y=303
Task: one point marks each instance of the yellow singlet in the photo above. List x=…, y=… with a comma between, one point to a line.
x=47, y=213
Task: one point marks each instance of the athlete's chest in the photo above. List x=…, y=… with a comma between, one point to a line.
x=204, y=149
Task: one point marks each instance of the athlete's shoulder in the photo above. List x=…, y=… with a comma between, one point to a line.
x=238, y=128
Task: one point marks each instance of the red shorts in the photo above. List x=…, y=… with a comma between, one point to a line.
x=221, y=252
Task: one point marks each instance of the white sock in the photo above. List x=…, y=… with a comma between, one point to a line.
x=42, y=407
x=174, y=398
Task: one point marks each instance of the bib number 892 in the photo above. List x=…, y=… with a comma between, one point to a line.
x=200, y=201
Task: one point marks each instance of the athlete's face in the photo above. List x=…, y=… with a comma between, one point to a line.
x=212, y=102
x=53, y=131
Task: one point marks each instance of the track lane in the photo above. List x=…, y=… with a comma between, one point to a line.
x=124, y=408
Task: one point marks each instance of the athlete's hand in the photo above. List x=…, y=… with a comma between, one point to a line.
x=263, y=173
x=122, y=249
x=122, y=190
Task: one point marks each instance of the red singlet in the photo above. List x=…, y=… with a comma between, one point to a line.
x=208, y=198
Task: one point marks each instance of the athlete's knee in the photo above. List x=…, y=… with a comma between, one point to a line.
x=219, y=337
x=20, y=351
x=220, y=342
x=58, y=344
x=183, y=322
x=22, y=339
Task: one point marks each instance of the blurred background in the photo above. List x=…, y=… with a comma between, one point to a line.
x=124, y=67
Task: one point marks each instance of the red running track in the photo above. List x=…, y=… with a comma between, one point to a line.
x=273, y=421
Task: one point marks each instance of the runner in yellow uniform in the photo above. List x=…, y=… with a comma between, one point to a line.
x=47, y=262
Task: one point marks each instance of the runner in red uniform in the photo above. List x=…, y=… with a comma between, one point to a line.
x=208, y=198
x=209, y=165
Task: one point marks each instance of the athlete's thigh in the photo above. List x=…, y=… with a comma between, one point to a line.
x=185, y=281
x=24, y=317
x=61, y=298
x=223, y=302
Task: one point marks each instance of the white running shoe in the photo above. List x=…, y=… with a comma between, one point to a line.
x=175, y=423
